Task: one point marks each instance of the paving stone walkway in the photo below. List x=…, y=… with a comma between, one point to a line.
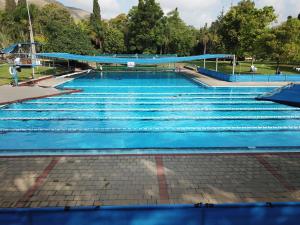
x=150, y=180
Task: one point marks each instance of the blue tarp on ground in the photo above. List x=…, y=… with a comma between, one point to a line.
x=289, y=95
x=140, y=61
x=234, y=214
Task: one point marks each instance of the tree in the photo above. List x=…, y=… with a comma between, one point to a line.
x=143, y=24
x=204, y=37
x=61, y=34
x=22, y=2
x=4, y=35
x=97, y=33
x=15, y=23
x=282, y=43
x=96, y=15
x=210, y=36
x=10, y=5
x=114, y=40
x=181, y=37
x=120, y=22
x=242, y=25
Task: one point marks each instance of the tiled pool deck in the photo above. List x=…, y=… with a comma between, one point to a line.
x=152, y=179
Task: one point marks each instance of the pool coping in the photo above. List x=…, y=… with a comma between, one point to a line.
x=138, y=152
x=64, y=92
x=178, y=155
x=215, y=83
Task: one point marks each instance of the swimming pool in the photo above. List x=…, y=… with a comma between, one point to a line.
x=148, y=113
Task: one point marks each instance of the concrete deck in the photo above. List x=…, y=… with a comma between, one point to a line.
x=209, y=81
x=10, y=94
x=56, y=81
x=148, y=179
x=45, y=87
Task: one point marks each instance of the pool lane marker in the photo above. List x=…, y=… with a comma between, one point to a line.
x=275, y=173
x=39, y=181
x=157, y=98
x=154, y=130
x=162, y=181
x=149, y=103
x=151, y=109
x=107, y=86
x=156, y=118
x=166, y=93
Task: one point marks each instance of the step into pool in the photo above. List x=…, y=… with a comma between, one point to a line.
x=140, y=112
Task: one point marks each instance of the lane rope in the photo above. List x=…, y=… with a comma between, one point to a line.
x=146, y=103
x=156, y=110
x=183, y=86
x=161, y=129
x=162, y=98
x=159, y=118
x=165, y=93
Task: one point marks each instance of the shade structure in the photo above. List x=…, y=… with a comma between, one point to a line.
x=137, y=61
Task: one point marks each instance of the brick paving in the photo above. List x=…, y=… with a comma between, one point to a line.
x=162, y=179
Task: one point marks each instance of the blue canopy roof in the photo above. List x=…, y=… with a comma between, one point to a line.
x=10, y=49
x=115, y=60
x=15, y=47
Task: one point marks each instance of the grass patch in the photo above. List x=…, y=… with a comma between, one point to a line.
x=244, y=67
x=26, y=74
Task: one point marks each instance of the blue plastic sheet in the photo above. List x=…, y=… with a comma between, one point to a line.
x=289, y=95
x=10, y=49
x=246, y=214
x=141, y=61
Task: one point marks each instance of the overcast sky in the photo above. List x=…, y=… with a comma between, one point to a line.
x=194, y=12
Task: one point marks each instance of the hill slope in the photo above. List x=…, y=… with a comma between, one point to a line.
x=75, y=12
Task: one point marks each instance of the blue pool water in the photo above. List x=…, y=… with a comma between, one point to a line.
x=147, y=111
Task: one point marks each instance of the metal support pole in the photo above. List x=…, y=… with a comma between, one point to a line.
x=217, y=60
x=204, y=63
x=233, y=65
x=32, y=43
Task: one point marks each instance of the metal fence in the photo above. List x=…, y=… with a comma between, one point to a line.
x=250, y=77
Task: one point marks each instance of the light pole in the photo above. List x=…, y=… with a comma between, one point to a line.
x=32, y=43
